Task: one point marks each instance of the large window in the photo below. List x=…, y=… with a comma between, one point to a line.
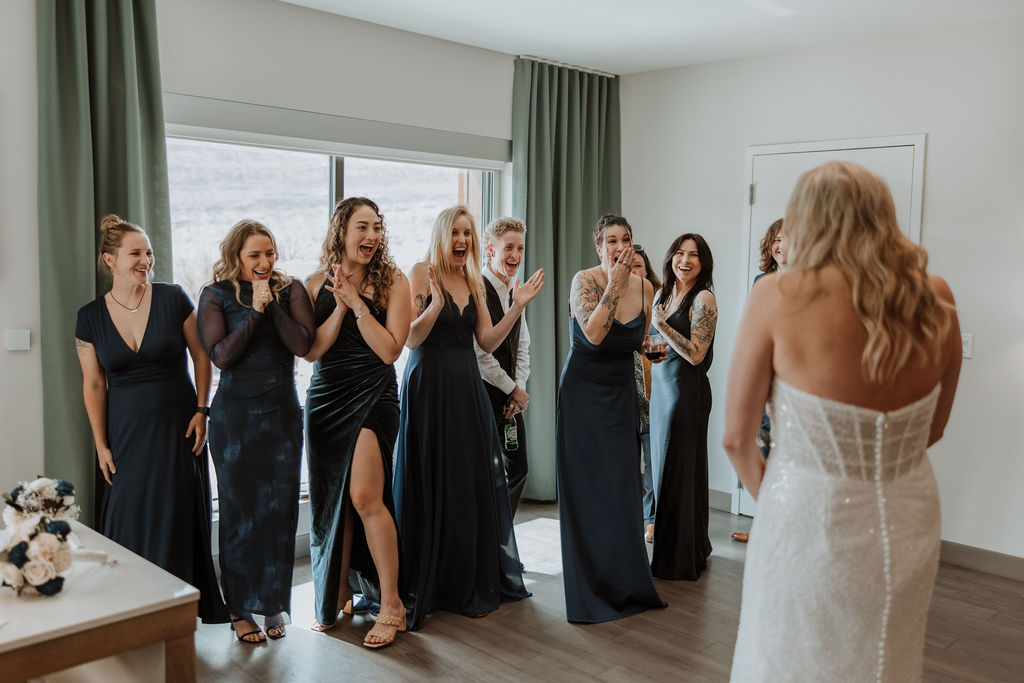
x=214, y=185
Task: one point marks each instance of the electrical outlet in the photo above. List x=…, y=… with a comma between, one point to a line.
x=967, y=343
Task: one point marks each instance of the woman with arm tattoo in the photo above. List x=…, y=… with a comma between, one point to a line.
x=686, y=316
x=451, y=499
x=148, y=420
x=604, y=559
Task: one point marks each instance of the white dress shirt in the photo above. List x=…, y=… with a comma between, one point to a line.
x=489, y=368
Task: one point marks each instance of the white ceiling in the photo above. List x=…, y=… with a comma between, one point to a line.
x=622, y=37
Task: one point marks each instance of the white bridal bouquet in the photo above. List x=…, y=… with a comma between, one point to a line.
x=38, y=550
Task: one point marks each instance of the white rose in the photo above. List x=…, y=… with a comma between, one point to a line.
x=43, y=546
x=46, y=487
x=38, y=572
x=11, y=575
x=62, y=558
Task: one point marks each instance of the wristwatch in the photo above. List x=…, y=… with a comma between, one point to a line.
x=205, y=410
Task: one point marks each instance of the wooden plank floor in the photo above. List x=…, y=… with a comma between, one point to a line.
x=975, y=630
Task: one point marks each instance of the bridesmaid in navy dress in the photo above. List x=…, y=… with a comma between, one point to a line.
x=604, y=558
x=451, y=498
x=351, y=417
x=253, y=321
x=148, y=424
x=686, y=316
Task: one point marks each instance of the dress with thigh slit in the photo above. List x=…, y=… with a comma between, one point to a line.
x=352, y=389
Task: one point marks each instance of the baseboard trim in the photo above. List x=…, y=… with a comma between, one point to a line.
x=720, y=500
x=979, y=559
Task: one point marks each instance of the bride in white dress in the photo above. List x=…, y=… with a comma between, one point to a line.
x=856, y=350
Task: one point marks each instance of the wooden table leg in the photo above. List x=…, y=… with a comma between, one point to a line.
x=180, y=659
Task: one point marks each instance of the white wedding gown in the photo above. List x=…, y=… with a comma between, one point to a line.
x=844, y=549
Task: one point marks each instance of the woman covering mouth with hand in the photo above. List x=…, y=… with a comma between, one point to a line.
x=254, y=320
x=451, y=498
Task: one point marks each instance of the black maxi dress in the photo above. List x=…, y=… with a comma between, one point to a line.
x=159, y=506
x=451, y=499
x=256, y=439
x=680, y=409
x=351, y=389
x=604, y=558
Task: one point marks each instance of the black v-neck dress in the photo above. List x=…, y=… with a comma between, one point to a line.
x=159, y=505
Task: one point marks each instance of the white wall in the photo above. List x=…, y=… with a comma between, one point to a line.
x=21, y=395
x=684, y=135
x=273, y=53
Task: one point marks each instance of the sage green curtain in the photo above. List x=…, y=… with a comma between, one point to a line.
x=101, y=150
x=565, y=175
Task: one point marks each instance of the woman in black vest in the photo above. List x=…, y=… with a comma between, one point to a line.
x=505, y=369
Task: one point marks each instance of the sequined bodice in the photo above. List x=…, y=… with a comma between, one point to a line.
x=848, y=441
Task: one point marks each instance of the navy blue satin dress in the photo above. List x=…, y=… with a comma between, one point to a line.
x=256, y=439
x=451, y=498
x=604, y=558
x=159, y=505
x=680, y=413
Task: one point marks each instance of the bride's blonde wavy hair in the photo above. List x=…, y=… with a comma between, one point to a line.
x=842, y=214
x=229, y=266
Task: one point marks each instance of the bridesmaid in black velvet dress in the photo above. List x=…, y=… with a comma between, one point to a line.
x=680, y=408
x=253, y=321
x=451, y=498
x=604, y=558
x=351, y=416
x=147, y=422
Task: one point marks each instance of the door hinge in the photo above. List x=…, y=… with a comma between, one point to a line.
x=750, y=196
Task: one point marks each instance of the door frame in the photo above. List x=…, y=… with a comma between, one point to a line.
x=917, y=141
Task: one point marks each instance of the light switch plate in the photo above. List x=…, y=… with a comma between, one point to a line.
x=967, y=342
x=19, y=340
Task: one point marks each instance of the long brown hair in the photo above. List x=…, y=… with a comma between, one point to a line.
x=842, y=214
x=229, y=266
x=380, y=272
x=439, y=253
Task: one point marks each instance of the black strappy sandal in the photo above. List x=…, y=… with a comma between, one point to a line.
x=243, y=637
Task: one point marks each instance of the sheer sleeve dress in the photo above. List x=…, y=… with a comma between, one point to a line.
x=256, y=438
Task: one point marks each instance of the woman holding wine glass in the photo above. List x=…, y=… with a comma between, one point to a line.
x=686, y=316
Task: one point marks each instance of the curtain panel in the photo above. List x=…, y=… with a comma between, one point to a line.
x=565, y=175
x=101, y=150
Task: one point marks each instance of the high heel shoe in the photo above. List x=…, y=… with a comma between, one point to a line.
x=386, y=628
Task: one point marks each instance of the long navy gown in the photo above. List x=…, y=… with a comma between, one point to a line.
x=604, y=558
x=159, y=505
x=256, y=439
x=451, y=499
x=680, y=410
x=352, y=389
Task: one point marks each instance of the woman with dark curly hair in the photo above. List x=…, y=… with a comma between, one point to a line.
x=362, y=311
x=253, y=321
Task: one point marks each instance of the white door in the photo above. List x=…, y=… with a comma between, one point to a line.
x=773, y=171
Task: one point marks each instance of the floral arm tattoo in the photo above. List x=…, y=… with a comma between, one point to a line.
x=586, y=297
x=702, y=331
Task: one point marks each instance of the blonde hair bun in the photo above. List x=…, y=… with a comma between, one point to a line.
x=110, y=221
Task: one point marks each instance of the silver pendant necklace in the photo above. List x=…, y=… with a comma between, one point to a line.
x=130, y=310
